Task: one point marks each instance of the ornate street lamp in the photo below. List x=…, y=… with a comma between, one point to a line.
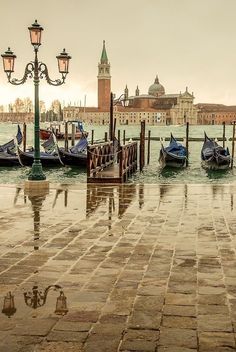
x=9, y=305
x=37, y=298
x=36, y=70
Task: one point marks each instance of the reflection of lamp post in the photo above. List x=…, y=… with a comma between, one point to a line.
x=36, y=70
x=9, y=305
x=37, y=298
x=36, y=198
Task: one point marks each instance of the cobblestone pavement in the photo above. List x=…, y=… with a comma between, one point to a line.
x=146, y=268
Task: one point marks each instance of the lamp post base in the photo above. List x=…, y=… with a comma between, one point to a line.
x=37, y=186
x=36, y=173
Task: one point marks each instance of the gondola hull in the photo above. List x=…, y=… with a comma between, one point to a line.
x=167, y=159
x=217, y=163
x=73, y=159
x=9, y=160
x=214, y=157
x=27, y=159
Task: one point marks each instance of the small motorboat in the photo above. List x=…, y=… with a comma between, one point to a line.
x=75, y=156
x=214, y=157
x=175, y=155
x=79, y=133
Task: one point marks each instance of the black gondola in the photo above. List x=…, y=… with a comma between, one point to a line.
x=175, y=155
x=8, y=155
x=75, y=156
x=49, y=157
x=214, y=157
x=7, y=159
x=27, y=158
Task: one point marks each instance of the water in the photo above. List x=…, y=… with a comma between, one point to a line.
x=151, y=173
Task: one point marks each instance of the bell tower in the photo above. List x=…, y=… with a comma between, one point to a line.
x=104, y=81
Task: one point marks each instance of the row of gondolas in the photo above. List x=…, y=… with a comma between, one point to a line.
x=11, y=153
x=213, y=156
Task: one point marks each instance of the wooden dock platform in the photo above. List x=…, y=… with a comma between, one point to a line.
x=105, y=165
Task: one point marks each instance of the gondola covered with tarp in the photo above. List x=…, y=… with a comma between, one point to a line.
x=49, y=157
x=75, y=156
x=214, y=156
x=174, y=155
x=8, y=154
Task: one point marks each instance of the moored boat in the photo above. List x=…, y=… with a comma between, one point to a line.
x=8, y=155
x=75, y=156
x=174, y=155
x=49, y=157
x=7, y=159
x=27, y=158
x=79, y=133
x=214, y=156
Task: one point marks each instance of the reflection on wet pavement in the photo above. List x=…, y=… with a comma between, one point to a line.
x=118, y=268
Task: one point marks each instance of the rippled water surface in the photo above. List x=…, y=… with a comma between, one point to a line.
x=151, y=174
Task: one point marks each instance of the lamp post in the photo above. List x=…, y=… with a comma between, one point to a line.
x=36, y=70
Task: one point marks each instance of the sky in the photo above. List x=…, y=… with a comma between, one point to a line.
x=186, y=42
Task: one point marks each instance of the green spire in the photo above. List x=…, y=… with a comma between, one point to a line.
x=104, y=58
x=156, y=80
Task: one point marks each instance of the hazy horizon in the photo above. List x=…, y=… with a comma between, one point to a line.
x=186, y=42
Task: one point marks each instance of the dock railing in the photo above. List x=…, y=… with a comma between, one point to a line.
x=127, y=160
x=102, y=156
x=99, y=156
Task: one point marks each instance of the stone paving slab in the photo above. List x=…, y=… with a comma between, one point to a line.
x=143, y=268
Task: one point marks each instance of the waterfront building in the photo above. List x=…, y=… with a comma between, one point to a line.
x=155, y=107
x=215, y=114
x=17, y=117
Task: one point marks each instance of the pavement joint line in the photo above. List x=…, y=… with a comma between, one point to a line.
x=25, y=241
x=57, y=234
x=118, y=276
x=22, y=259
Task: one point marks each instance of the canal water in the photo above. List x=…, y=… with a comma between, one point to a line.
x=151, y=174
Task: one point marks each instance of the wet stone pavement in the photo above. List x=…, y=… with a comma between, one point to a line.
x=146, y=268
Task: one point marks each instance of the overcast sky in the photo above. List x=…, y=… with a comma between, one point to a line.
x=186, y=42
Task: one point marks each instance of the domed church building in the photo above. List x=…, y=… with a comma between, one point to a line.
x=155, y=107
x=168, y=108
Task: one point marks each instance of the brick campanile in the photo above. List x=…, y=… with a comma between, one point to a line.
x=104, y=81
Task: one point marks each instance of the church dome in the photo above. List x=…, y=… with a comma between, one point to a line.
x=156, y=89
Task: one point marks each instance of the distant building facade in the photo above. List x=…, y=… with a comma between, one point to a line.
x=17, y=117
x=215, y=114
x=156, y=107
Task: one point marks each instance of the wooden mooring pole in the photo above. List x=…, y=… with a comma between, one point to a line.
x=66, y=136
x=92, y=136
x=111, y=118
x=24, y=136
x=142, y=146
x=73, y=135
x=223, y=134
x=124, y=137
x=187, y=140
x=114, y=129
x=118, y=136
x=149, y=144
x=233, y=140
x=105, y=137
